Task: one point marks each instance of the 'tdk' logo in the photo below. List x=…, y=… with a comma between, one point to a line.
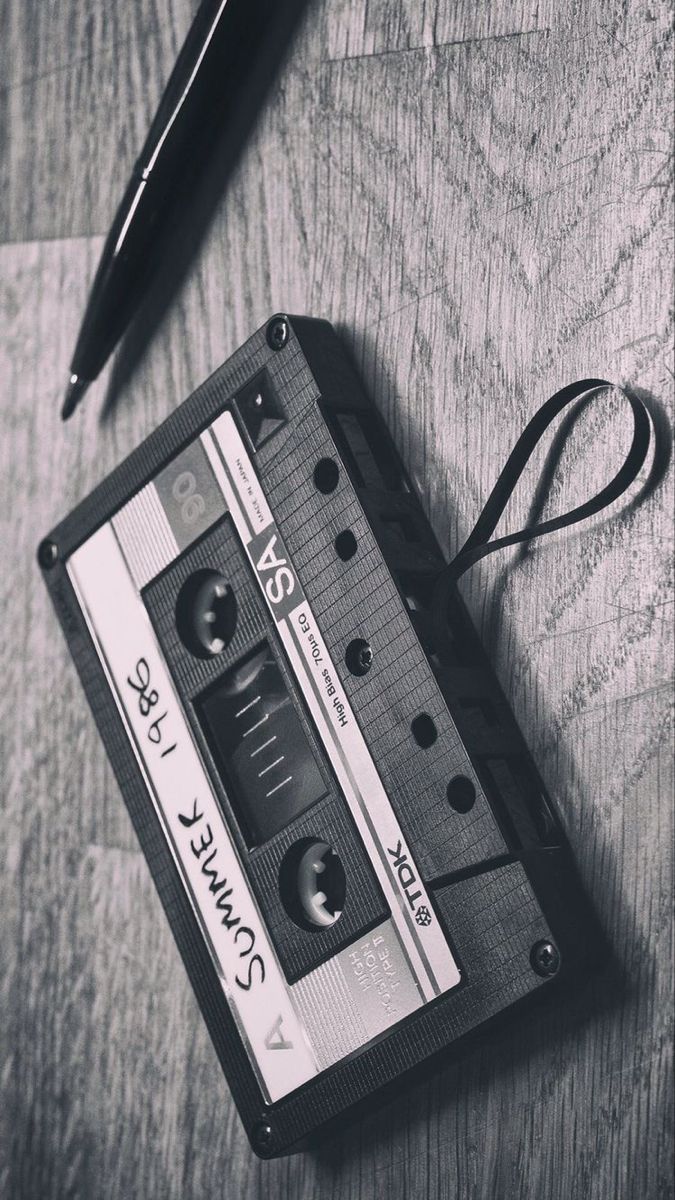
x=408, y=880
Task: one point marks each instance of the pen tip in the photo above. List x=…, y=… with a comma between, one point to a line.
x=74, y=393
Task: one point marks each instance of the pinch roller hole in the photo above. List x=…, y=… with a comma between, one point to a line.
x=461, y=794
x=424, y=730
x=345, y=545
x=326, y=475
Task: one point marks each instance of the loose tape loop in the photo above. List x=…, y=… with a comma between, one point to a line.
x=478, y=543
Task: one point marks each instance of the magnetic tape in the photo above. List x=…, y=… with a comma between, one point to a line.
x=354, y=849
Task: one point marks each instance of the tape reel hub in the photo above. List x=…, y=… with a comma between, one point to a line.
x=312, y=884
x=206, y=613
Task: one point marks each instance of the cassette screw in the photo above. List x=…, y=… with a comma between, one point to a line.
x=359, y=656
x=262, y=1136
x=277, y=333
x=48, y=553
x=545, y=959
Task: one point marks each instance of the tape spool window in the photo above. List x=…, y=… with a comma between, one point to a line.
x=263, y=755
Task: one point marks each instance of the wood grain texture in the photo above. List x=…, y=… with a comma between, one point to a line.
x=479, y=197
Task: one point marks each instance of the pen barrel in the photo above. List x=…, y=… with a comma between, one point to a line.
x=218, y=55
x=213, y=94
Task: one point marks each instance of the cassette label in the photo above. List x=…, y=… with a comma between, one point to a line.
x=191, y=817
x=400, y=965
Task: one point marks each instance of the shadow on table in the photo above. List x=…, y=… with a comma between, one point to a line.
x=447, y=1091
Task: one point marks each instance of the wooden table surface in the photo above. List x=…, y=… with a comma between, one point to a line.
x=479, y=197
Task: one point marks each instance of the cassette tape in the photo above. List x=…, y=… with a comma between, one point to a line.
x=356, y=855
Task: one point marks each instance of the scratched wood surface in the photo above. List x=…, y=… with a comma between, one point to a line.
x=479, y=197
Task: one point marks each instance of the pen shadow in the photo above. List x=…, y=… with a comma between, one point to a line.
x=514, y=1053
x=197, y=214
x=508, y=1061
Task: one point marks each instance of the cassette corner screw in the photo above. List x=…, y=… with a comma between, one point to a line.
x=278, y=332
x=545, y=959
x=48, y=553
x=359, y=656
x=263, y=1136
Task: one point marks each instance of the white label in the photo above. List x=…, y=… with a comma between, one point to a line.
x=193, y=823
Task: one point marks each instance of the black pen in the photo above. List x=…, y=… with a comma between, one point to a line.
x=201, y=99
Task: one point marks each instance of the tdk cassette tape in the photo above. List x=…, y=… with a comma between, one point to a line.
x=356, y=855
